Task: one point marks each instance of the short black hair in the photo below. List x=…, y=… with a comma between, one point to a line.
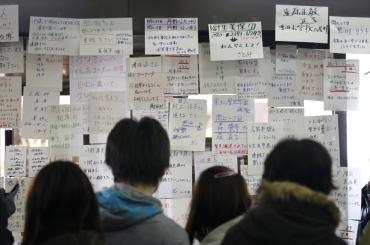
x=305, y=162
x=138, y=152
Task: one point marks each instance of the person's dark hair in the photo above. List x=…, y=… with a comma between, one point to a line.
x=138, y=152
x=61, y=200
x=219, y=196
x=305, y=162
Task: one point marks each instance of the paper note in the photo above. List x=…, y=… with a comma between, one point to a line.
x=108, y=36
x=341, y=84
x=92, y=162
x=187, y=124
x=347, y=196
x=65, y=131
x=10, y=101
x=38, y=157
x=236, y=41
x=349, y=35
x=229, y=124
x=286, y=58
x=347, y=231
x=160, y=115
x=9, y=23
x=177, y=181
x=35, y=115
x=176, y=209
x=301, y=23
x=251, y=87
x=60, y=36
x=15, y=161
x=290, y=117
x=205, y=160
x=252, y=181
x=44, y=71
x=145, y=65
x=16, y=221
x=215, y=77
x=171, y=36
x=181, y=74
x=11, y=57
x=310, y=70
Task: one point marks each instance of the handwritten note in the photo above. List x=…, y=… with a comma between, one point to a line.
x=176, y=209
x=9, y=26
x=38, y=157
x=347, y=230
x=177, y=181
x=204, y=160
x=252, y=181
x=92, y=162
x=44, y=71
x=286, y=58
x=15, y=161
x=160, y=115
x=229, y=124
x=181, y=74
x=60, y=36
x=251, y=87
x=35, y=118
x=11, y=57
x=349, y=35
x=171, y=36
x=341, y=84
x=10, y=101
x=187, y=124
x=290, y=117
x=65, y=131
x=215, y=77
x=348, y=193
x=236, y=41
x=301, y=23
x=108, y=36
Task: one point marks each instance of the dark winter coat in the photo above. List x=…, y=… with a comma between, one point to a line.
x=80, y=238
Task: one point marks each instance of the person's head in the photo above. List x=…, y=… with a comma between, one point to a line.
x=220, y=195
x=60, y=201
x=305, y=162
x=138, y=152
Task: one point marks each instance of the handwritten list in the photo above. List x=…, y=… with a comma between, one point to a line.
x=347, y=231
x=10, y=101
x=11, y=57
x=15, y=161
x=9, y=23
x=38, y=157
x=251, y=87
x=286, y=59
x=204, y=160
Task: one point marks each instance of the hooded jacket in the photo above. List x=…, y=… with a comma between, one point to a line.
x=216, y=236
x=131, y=217
x=287, y=214
x=80, y=238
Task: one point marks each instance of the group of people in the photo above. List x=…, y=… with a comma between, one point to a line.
x=291, y=206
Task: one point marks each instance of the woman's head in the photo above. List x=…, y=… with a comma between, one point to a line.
x=305, y=162
x=61, y=200
x=138, y=152
x=220, y=195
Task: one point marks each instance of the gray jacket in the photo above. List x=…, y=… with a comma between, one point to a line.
x=126, y=222
x=216, y=236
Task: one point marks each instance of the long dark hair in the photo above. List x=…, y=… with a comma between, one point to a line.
x=219, y=196
x=61, y=200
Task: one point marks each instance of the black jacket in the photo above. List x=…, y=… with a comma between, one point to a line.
x=80, y=238
x=6, y=237
x=365, y=211
x=287, y=214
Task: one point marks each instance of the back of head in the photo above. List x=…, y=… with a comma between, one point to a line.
x=138, y=152
x=61, y=200
x=305, y=162
x=219, y=196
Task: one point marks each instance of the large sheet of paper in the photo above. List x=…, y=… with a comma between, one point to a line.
x=160, y=115
x=187, y=124
x=34, y=114
x=205, y=160
x=296, y=23
x=38, y=157
x=181, y=74
x=10, y=101
x=171, y=36
x=176, y=209
x=60, y=36
x=92, y=162
x=65, y=131
x=229, y=124
x=108, y=36
x=215, y=77
x=253, y=181
x=236, y=41
x=347, y=196
x=9, y=23
x=290, y=117
x=44, y=71
x=286, y=59
x=347, y=231
x=15, y=161
x=177, y=181
x=11, y=57
x=341, y=84
x=349, y=35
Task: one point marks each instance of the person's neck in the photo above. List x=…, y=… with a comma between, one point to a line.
x=146, y=189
